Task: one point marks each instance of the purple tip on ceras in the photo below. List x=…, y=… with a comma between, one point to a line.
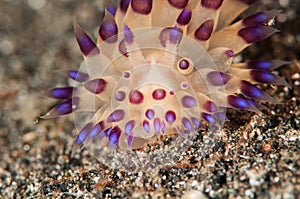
x=64, y=108
x=175, y=35
x=84, y=132
x=150, y=113
x=184, y=17
x=96, y=130
x=266, y=77
x=212, y=4
x=114, y=136
x=124, y=5
x=108, y=31
x=180, y=4
x=128, y=35
x=112, y=10
x=129, y=127
x=86, y=44
x=116, y=116
x=141, y=6
x=128, y=130
x=252, y=91
x=260, y=18
x=187, y=124
x=210, y=106
x=262, y=76
x=78, y=76
x=120, y=96
x=229, y=53
x=170, y=116
x=196, y=122
x=159, y=94
x=217, y=78
x=60, y=93
x=237, y=102
x=157, y=125
x=136, y=97
x=146, y=126
x=204, y=31
x=188, y=101
x=96, y=86
x=256, y=33
x=266, y=64
x=171, y=35
x=209, y=118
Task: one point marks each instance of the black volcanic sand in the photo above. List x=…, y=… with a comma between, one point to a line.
x=257, y=156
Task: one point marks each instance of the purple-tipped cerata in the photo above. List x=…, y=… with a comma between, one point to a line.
x=175, y=35
x=159, y=94
x=237, y=102
x=205, y=30
x=85, y=43
x=250, y=90
x=188, y=101
x=124, y=5
x=260, y=18
x=180, y=4
x=170, y=116
x=78, y=76
x=96, y=130
x=116, y=116
x=187, y=124
x=184, y=17
x=263, y=76
x=157, y=125
x=129, y=126
x=61, y=93
x=229, y=53
x=170, y=35
x=159, y=72
x=114, y=136
x=150, y=114
x=136, y=97
x=146, y=126
x=108, y=31
x=265, y=64
x=215, y=4
x=96, y=85
x=64, y=108
x=120, y=95
x=208, y=117
x=196, y=122
x=210, y=106
x=141, y=6
x=83, y=133
x=112, y=10
x=128, y=35
x=256, y=33
x=218, y=78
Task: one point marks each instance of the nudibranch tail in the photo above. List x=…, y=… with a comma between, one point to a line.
x=161, y=68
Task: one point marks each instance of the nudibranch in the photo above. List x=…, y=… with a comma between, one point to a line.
x=163, y=68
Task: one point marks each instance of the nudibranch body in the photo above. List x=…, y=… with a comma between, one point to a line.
x=162, y=67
